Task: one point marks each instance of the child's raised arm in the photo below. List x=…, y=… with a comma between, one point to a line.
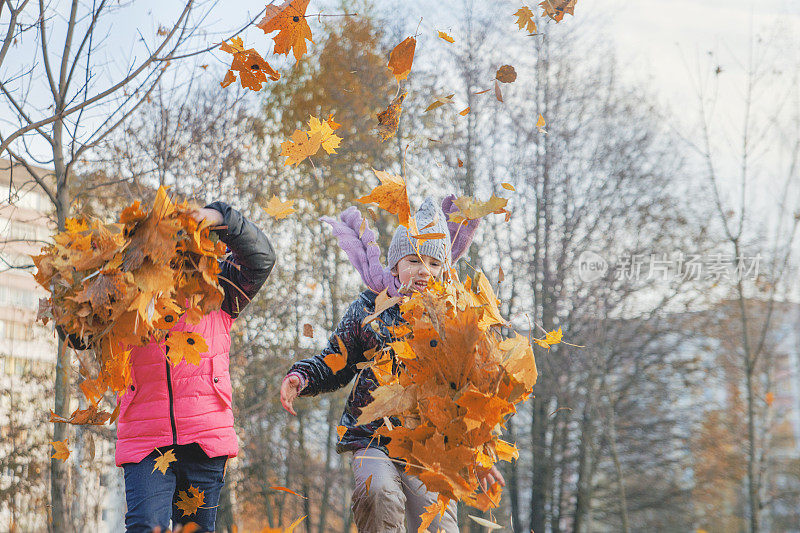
x=252, y=259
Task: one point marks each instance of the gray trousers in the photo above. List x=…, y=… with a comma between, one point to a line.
x=393, y=497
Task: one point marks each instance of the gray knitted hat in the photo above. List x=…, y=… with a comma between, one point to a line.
x=403, y=245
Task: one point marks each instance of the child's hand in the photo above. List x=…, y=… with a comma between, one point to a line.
x=490, y=477
x=213, y=216
x=290, y=389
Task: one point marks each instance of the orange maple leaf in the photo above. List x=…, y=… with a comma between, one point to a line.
x=391, y=195
x=289, y=20
x=556, y=9
x=190, y=501
x=252, y=68
x=337, y=360
x=401, y=58
x=62, y=451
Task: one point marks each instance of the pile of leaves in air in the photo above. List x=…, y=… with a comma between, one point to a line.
x=455, y=381
x=116, y=286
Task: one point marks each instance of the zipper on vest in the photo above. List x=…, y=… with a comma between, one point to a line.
x=171, y=402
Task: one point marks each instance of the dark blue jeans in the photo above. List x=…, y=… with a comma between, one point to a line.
x=151, y=495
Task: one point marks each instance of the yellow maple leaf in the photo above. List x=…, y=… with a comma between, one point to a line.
x=185, y=345
x=391, y=195
x=277, y=209
x=62, y=452
x=329, y=140
x=550, y=338
x=190, y=501
x=162, y=462
x=300, y=146
x=525, y=19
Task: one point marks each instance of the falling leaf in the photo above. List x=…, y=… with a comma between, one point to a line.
x=500, y=275
x=307, y=143
x=525, y=19
x=389, y=119
x=290, y=491
x=482, y=92
x=555, y=9
x=508, y=186
x=485, y=523
x=460, y=162
x=204, y=67
x=472, y=209
x=446, y=37
x=428, y=237
x=163, y=461
x=294, y=524
x=550, y=338
x=382, y=302
x=390, y=195
x=340, y=431
x=497, y=93
x=186, y=345
x=300, y=146
x=401, y=58
x=336, y=361
x=308, y=331
x=252, y=68
x=277, y=209
x=190, y=501
x=769, y=398
x=289, y=20
x=330, y=141
x=464, y=112
x=506, y=74
x=540, y=124
x=62, y=452
x=368, y=483
x=440, y=101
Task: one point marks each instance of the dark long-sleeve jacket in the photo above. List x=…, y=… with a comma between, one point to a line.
x=357, y=339
x=251, y=262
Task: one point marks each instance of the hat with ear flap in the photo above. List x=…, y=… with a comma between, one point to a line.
x=429, y=219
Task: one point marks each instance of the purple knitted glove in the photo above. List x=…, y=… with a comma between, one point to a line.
x=460, y=234
x=363, y=251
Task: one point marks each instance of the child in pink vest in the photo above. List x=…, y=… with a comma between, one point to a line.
x=186, y=408
x=392, y=497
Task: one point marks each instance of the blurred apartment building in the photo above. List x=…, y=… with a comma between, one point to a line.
x=27, y=373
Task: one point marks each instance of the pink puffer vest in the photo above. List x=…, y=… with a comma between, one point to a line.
x=183, y=404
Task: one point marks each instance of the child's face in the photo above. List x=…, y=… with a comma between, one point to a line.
x=415, y=273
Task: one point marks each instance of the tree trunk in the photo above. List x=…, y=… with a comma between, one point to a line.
x=59, y=473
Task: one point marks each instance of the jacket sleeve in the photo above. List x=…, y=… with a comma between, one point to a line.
x=319, y=376
x=251, y=262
